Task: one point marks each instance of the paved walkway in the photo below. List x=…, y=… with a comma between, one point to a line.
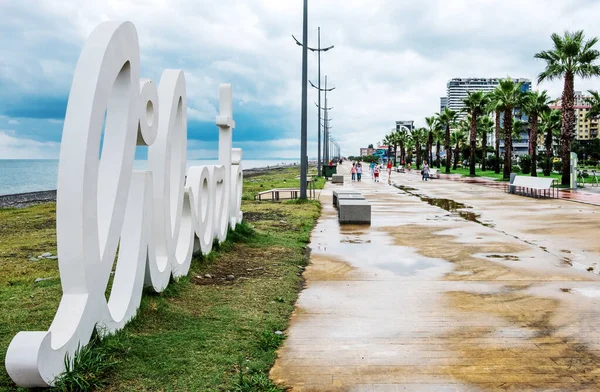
x=495, y=295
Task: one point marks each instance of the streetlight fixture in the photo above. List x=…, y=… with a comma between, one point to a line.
x=318, y=50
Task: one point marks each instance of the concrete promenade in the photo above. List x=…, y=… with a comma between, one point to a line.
x=454, y=287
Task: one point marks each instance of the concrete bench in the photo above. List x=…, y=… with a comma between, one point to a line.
x=342, y=191
x=400, y=169
x=337, y=179
x=348, y=196
x=532, y=186
x=354, y=211
x=434, y=173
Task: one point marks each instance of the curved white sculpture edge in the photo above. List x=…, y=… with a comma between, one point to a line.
x=155, y=218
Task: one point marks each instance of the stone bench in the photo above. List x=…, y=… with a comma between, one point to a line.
x=342, y=191
x=348, y=196
x=337, y=179
x=354, y=211
x=532, y=186
x=434, y=173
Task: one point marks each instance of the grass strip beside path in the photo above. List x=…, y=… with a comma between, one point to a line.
x=464, y=171
x=203, y=333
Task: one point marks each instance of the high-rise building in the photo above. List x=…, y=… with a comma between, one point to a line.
x=410, y=125
x=585, y=129
x=457, y=89
x=443, y=103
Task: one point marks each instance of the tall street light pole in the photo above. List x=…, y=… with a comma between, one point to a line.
x=303, y=122
x=325, y=115
x=318, y=49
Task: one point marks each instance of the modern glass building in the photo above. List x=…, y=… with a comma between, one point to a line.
x=458, y=88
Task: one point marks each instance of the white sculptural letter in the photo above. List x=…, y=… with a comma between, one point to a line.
x=156, y=218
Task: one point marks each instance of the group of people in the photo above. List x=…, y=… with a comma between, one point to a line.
x=375, y=170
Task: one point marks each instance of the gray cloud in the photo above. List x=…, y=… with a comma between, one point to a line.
x=391, y=61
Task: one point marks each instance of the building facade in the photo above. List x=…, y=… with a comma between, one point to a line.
x=410, y=125
x=458, y=88
x=443, y=103
x=585, y=129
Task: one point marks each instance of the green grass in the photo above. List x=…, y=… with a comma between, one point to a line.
x=277, y=178
x=200, y=334
x=464, y=171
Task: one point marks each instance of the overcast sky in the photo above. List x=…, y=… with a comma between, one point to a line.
x=391, y=62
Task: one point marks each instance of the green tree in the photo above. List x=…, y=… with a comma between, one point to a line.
x=535, y=104
x=571, y=56
x=432, y=125
x=486, y=125
x=419, y=136
x=508, y=95
x=594, y=101
x=457, y=138
x=370, y=145
x=410, y=146
x=476, y=105
x=402, y=139
x=447, y=119
x=438, y=137
x=550, y=125
x=495, y=106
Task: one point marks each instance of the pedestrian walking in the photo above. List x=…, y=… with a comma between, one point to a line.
x=389, y=170
x=358, y=171
x=376, y=172
x=353, y=171
x=425, y=172
x=372, y=170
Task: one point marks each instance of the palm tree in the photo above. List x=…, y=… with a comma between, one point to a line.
x=519, y=126
x=594, y=102
x=402, y=139
x=387, y=142
x=438, y=137
x=476, y=105
x=486, y=125
x=571, y=56
x=535, y=104
x=410, y=146
x=394, y=140
x=419, y=136
x=508, y=95
x=432, y=125
x=446, y=119
x=550, y=122
x=457, y=138
x=495, y=106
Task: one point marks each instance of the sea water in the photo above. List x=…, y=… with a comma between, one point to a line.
x=32, y=175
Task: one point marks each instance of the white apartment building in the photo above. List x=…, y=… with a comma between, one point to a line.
x=457, y=89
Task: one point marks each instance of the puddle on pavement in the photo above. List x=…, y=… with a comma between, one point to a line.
x=377, y=251
x=504, y=257
x=449, y=205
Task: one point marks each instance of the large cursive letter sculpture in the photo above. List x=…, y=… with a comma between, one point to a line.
x=154, y=219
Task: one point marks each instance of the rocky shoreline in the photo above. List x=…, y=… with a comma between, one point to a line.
x=22, y=200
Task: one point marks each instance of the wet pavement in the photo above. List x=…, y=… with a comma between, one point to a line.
x=587, y=195
x=453, y=287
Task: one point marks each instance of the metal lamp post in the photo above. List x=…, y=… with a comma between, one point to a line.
x=318, y=50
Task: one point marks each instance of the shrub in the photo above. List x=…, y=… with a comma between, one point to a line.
x=525, y=163
x=516, y=169
x=490, y=162
x=557, y=166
